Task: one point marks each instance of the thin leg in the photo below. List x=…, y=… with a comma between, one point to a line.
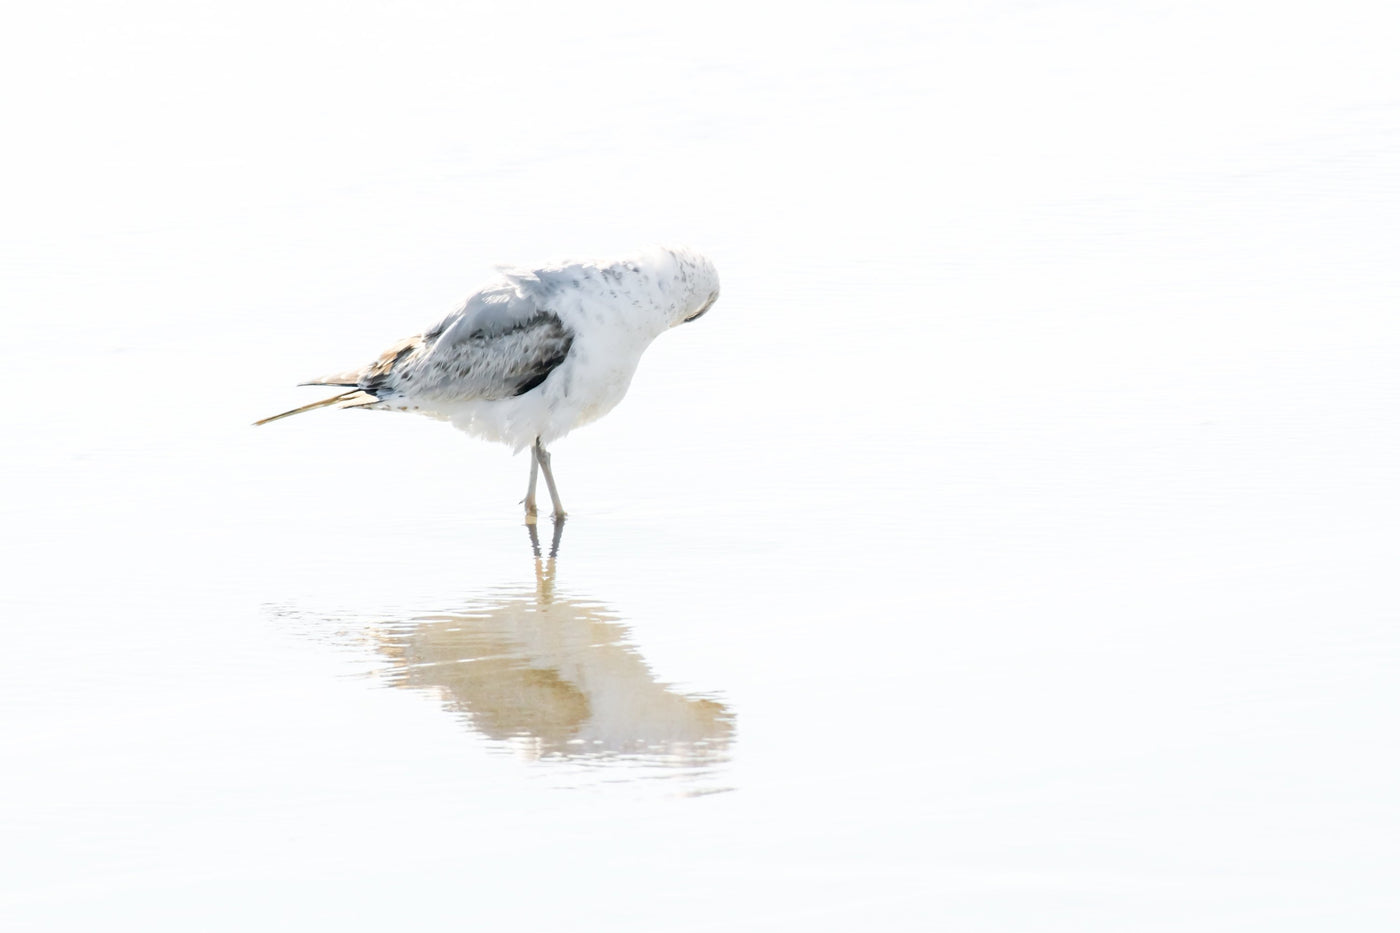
x=542, y=457
x=530, y=510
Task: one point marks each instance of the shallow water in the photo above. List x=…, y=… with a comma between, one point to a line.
x=1012, y=546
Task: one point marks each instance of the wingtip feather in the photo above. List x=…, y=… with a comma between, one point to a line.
x=345, y=400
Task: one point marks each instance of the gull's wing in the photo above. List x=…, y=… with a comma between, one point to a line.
x=502, y=342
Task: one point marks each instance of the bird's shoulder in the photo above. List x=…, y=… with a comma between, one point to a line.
x=496, y=310
x=544, y=298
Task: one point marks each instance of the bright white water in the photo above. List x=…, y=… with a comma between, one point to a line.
x=1011, y=548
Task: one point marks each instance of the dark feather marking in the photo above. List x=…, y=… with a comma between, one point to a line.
x=376, y=375
x=546, y=367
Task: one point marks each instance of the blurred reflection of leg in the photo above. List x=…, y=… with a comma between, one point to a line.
x=558, y=536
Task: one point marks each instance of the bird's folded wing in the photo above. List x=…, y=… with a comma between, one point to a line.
x=501, y=343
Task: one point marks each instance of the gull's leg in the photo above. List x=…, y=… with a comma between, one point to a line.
x=542, y=457
x=530, y=510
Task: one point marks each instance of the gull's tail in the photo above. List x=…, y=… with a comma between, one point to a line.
x=355, y=398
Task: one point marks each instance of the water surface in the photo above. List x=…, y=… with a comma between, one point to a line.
x=1011, y=547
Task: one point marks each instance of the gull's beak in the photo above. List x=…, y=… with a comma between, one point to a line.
x=707, y=306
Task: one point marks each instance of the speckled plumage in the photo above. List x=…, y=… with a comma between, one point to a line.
x=536, y=352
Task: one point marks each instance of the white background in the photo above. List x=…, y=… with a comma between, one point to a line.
x=1027, y=506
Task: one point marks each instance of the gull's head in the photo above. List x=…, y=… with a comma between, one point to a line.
x=698, y=281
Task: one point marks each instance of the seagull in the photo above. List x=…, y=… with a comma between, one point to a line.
x=535, y=353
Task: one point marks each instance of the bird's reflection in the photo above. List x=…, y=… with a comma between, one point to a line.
x=554, y=676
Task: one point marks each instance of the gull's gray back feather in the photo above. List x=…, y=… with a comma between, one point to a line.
x=501, y=342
